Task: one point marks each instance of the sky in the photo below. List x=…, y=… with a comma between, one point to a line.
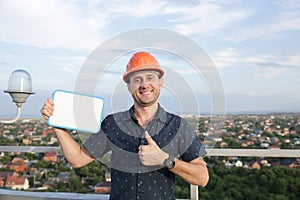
x=253, y=45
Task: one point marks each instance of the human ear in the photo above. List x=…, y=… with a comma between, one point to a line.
x=128, y=87
x=161, y=82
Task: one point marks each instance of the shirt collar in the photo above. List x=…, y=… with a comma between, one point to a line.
x=160, y=115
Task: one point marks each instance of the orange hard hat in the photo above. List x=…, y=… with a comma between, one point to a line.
x=142, y=61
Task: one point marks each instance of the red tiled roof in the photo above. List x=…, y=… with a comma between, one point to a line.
x=50, y=154
x=12, y=180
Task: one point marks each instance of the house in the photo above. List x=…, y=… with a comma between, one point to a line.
x=18, y=165
x=227, y=164
x=254, y=165
x=274, y=147
x=45, y=133
x=26, y=141
x=63, y=177
x=264, y=144
x=3, y=177
x=286, y=131
x=275, y=140
x=265, y=163
x=17, y=183
x=238, y=163
x=292, y=163
x=50, y=156
x=2, y=183
x=268, y=122
x=6, y=174
x=103, y=188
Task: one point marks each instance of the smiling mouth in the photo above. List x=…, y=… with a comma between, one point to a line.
x=146, y=92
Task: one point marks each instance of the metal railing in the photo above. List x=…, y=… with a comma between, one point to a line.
x=287, y=153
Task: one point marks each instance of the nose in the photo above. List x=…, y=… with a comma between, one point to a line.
x=144, y=82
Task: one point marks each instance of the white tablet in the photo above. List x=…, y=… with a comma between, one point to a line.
x=75, y=111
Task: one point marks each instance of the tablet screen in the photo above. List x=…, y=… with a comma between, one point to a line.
x=75, y=111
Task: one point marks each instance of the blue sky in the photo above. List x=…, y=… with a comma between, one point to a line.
x=255, y=45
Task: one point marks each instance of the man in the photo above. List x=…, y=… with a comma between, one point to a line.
x=149, y=145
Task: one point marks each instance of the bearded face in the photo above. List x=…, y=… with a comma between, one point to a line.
x=145, y=87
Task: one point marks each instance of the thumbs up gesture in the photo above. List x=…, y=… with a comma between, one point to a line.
x=151, y=154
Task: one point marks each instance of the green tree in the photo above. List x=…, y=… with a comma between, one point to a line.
x=44, y=164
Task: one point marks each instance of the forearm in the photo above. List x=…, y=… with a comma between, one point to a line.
x=76, y=155
x=194, y=172
x=73, y=152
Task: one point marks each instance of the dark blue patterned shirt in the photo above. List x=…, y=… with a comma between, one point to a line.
x=121, y=135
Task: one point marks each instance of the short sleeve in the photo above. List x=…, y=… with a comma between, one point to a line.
x=97, y=144
x=190, y=142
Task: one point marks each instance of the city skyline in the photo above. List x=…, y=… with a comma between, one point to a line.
x=254, y=45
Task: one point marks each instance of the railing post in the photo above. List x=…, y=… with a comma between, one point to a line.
x=194, y=192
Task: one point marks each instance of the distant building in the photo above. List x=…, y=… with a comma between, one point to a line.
x=18, y=165
x=264, y=163
x=254, y=165
x=62, y=177
x=26, y=141
x=104, y=187
x=17, y=183
x=292, y=163
x=286, y=131
x=4, y=175
x=45, y=133
x=238, y=163
x=268, y=122
x=264, y=144
x=2, y=183
x=50, y=156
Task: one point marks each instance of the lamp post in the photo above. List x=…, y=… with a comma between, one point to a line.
x=19, y=88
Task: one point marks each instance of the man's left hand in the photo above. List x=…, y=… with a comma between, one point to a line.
x=151, y=154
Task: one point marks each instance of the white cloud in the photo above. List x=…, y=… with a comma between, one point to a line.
x=7, y=57
x=263, y=66
x=138, y=9
x=268, y=31
x=294, y=60
x=52, y=24
x=285, y=16
x=73, y=59
x=70, y=64
x=205, y=18
x=288, y=4
x=226, y=58
x=69, y=68
x=268, y=72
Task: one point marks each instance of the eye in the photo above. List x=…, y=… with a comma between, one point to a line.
x=137, y=80
x=151, y=78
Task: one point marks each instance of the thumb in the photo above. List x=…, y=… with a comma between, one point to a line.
x=149, y=138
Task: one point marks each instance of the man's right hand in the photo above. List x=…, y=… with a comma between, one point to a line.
x=48, y=108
